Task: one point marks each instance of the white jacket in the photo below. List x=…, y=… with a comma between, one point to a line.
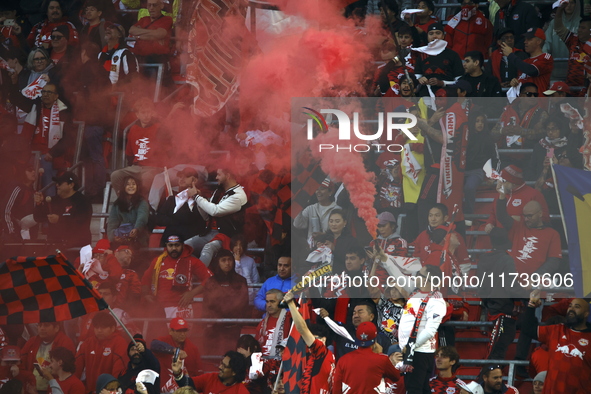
x=434, y=312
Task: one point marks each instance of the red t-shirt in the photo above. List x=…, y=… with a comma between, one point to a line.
x=423, y=248
x=129, y=284
x=320, y=364
x=210, y=383
x=441, y=385
x=516, y=201
x=71, y=385
x=361, y=371
x=142, y=145
x=150, y=47
x=166, y=294
x=533, y=246
x=545, y=64
x=57, y=56
x=569, y=367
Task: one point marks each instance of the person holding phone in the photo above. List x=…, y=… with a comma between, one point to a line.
x=548, y=148
x=60, y=372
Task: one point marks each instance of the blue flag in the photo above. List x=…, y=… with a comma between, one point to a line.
x=574, y=188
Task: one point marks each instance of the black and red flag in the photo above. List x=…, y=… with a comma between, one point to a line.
x=294, y=356
x=44, y=289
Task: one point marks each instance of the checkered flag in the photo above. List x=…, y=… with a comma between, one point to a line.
x=44, y=289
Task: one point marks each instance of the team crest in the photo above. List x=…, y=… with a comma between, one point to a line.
x=115, y=58
x=107, y=351
x=583, y=342
x=390, y=248
x=515, y=17
x=478, y=22
x=516, y=202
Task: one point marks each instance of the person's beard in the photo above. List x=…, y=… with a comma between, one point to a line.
x=136, y=359
x=572, y=319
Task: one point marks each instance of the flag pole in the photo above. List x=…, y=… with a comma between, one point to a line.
x=559, y=202
x=96, y=295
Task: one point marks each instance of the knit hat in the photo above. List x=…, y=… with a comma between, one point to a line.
x=540, y=377
x=138, y=338
x=326, y=182
x=366, y=334
x=513, y=174
x=174, y=238
x=62, y=29
x=103, y=380
x=102, y=245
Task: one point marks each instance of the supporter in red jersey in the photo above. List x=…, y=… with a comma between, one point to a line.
x=498, y=65
x=492, y=381
x=152, y=34
x=389, y=240
x=228, y=381
x=40, y=35
x=406, y=37
x=469, y=30
x=536, y=247
x=388, y=75
x=574, y=42
x=111, y=266
x=438, y=216
x=274, y=327
x=517, y=194
x=569, y=368
x=144, y=148
x=177, y=338
x=60, y=373
x=538, y=67
x=37, y=349
x=317, y=373
x=104, y=352
x=168, y=282
x=10, y=368
x=130, y=285
x=362, y=370
x=447, y=360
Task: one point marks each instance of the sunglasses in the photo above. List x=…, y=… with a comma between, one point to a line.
x=531, y=94
x=56, y=38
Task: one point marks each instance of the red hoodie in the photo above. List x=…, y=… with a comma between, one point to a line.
x=29, y=351
x=98, y=357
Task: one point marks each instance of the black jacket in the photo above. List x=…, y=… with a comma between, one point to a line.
x=518, y=16
x=185, y=221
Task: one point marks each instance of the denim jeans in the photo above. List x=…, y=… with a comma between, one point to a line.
x=472, y=179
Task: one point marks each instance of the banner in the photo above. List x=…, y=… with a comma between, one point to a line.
x=574, y=188
x=44, y=289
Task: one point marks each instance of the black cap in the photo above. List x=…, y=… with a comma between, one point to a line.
x=436, y=26
x=463, y=85
x=68, y=177
x=504, y=31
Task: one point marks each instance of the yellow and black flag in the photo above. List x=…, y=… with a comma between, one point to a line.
x=574, y=188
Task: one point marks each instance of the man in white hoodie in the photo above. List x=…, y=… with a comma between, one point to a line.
x=427, y=305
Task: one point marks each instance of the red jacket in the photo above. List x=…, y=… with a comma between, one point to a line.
x=98, y=357
x=474, y=34
x=192, y=362
x=29, y=351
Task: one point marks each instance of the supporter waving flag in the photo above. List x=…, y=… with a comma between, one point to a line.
x=44, y=289
x=294, y=356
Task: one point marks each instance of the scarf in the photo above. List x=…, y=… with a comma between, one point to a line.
x=156, y=272
x=498, y=329
x=55, y=131
x=278, y=334
x=434, y=48
x=33, y=90
x=555, y=143
x=465, y=14
x=409, y=356
x=182, y=198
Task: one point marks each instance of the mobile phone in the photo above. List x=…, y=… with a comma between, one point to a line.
x=177, y=353
x=550, y=153
x=38, y=368
x=368, y=248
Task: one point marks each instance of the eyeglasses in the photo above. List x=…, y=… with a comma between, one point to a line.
x=48, y=92
x=56, y=38
x=531, y=94
x=39, y=59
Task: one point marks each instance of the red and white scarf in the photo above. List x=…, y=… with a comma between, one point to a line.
x=33, y=90
x=54, y=130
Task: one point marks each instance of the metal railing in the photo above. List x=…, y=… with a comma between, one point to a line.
x=159, y=73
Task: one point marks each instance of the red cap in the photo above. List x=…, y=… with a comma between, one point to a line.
x=366, y=334
x=11, y=353
x=535, y=32
x=101, y=246
x=179, y=323
x=513, y=174
x=557, y=87
x=122, y=247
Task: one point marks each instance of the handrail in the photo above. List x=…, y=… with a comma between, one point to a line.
x=159, y=74
x=115, y=134
x=124, y=143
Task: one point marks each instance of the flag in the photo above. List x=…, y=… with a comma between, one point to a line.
x=294, y=356
x=574, y=188
x=44, y=289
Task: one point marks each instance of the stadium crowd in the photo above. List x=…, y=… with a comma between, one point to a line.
x=213, y=235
